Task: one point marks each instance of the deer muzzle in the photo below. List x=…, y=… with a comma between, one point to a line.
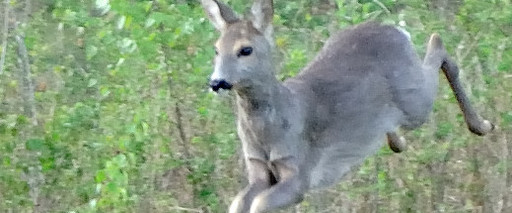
x=220, y=84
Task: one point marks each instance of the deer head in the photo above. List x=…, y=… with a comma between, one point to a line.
x=243, y=56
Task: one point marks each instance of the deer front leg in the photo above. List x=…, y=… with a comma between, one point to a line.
x=288, y=190
x=259, y=177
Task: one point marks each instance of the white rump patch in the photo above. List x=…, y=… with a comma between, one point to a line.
x=407, y=34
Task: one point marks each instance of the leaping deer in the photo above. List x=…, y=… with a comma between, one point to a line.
x=308, y=131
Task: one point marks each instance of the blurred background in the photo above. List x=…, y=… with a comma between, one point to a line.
x=104, y=107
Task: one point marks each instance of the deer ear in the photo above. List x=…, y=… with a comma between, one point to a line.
x=262, y=12
x=219, y=13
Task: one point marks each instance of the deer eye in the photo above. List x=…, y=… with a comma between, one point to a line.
x=245, y=51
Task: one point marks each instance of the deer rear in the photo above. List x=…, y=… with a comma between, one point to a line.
x=309, y=131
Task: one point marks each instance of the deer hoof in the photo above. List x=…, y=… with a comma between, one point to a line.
x=483, y=128
x=396, y=144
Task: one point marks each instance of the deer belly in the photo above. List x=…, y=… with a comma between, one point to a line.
x=337, y=150
x=337, y=161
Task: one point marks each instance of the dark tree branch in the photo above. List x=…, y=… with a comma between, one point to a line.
x=181, y=132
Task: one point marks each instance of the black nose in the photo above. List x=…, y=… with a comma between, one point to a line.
x=219, y=84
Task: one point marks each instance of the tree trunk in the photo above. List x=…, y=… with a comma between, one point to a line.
x=508, y=181
x=27, y=90
x=4, y=36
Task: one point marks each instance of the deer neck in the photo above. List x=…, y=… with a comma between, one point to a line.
x=262, y=97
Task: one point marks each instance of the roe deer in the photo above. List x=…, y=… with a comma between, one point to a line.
x=309, y=131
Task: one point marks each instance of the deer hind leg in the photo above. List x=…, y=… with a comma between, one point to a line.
x=396, y=143
x=437, y=56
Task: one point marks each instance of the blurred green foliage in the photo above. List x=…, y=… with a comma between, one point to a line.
x=126, y=123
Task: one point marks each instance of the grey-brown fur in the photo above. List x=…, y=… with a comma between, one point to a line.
x=308, y=132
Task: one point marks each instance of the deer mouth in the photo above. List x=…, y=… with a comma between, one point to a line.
x=216, y=85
